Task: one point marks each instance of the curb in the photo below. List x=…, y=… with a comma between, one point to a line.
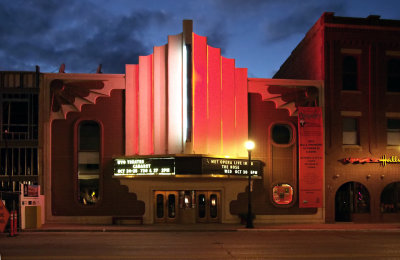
x=133, y=230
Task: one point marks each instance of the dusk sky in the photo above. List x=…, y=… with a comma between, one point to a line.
x=258, y=34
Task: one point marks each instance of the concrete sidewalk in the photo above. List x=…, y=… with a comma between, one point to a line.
x=57, y=227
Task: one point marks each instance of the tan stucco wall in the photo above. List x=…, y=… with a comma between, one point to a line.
x=144, y=188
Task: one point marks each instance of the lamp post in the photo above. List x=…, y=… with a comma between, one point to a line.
x=249, y=223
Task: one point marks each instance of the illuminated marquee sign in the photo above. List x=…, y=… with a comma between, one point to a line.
x=185, y=165
x=383, y=160
x=144, y=166
x=230, y=166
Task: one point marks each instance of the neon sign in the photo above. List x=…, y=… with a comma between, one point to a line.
x=392, y=159
x=383, y=160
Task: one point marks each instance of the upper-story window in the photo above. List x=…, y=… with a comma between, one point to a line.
x=393, y=132
x=393, y=75
x=282, y=134
x=88, y=162
x=19, y=117
x=350, y=131
x=350, y=73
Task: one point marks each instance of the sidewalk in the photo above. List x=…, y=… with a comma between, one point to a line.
x=53, y=227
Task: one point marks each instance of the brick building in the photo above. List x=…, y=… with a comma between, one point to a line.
x=359, y=61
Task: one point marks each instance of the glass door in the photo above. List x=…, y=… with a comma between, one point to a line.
x=208, y=209
x=165, y=206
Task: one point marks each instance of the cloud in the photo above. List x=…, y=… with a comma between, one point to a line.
x=301, y=20
x=241, y=6
x=217, y=36
x=79, y=34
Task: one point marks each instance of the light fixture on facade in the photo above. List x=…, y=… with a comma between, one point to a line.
x=249, y=145
x=249, y=223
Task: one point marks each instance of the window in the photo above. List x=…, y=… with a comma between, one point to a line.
x=393, y=75
x=202, y=206
x=213, y=206
x=171, y=206
x=390, y=198
x=350, y=73
x=88, y=162
x=18, y=128
x=350, y=131
x=160, y=205
x=282, y=194
x=186, y=199
x=282, y=134
x=393, y=132
x=351, y=197
x=19, y=117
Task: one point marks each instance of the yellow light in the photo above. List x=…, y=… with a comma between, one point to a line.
x=213, y=202
x=249, y=145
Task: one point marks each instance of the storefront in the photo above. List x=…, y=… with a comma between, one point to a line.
x=186, y=188
x=367, y=190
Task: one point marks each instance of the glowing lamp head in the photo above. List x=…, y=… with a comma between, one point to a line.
x=249, y=145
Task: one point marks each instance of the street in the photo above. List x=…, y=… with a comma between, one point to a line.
x=202, y=245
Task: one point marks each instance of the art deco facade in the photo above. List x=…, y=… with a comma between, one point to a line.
x=165, y=141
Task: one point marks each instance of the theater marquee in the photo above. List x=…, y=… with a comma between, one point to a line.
x=230, y=166
x=185, y=165
x=144, y=166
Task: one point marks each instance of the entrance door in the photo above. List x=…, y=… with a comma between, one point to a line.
x=351, y=198
x=166, y=206
x=208, y=209
x=343, y=203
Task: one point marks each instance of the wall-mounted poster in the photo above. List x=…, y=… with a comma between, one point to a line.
x=31, y=190
x=311, y=157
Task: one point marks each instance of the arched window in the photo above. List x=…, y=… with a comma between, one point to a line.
x=390, y=198
x=351, y=197
x=350, y=73
x=88, y=162
x=393, y=75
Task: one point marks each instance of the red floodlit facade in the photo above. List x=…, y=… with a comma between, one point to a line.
x=358, y=59
x=164, y=142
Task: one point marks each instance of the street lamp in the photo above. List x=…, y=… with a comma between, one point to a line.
x=249, y=223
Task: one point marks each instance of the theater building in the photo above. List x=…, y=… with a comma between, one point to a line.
x=359, y=61
x=164, y=142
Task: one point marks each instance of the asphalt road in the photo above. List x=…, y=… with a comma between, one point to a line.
x=202, y=245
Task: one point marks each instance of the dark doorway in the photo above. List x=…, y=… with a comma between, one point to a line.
x=209, y=209
x=351, y=197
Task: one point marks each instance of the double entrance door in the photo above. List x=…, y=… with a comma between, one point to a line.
x=208, y=207
x=187, y=206
x=166, y=206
